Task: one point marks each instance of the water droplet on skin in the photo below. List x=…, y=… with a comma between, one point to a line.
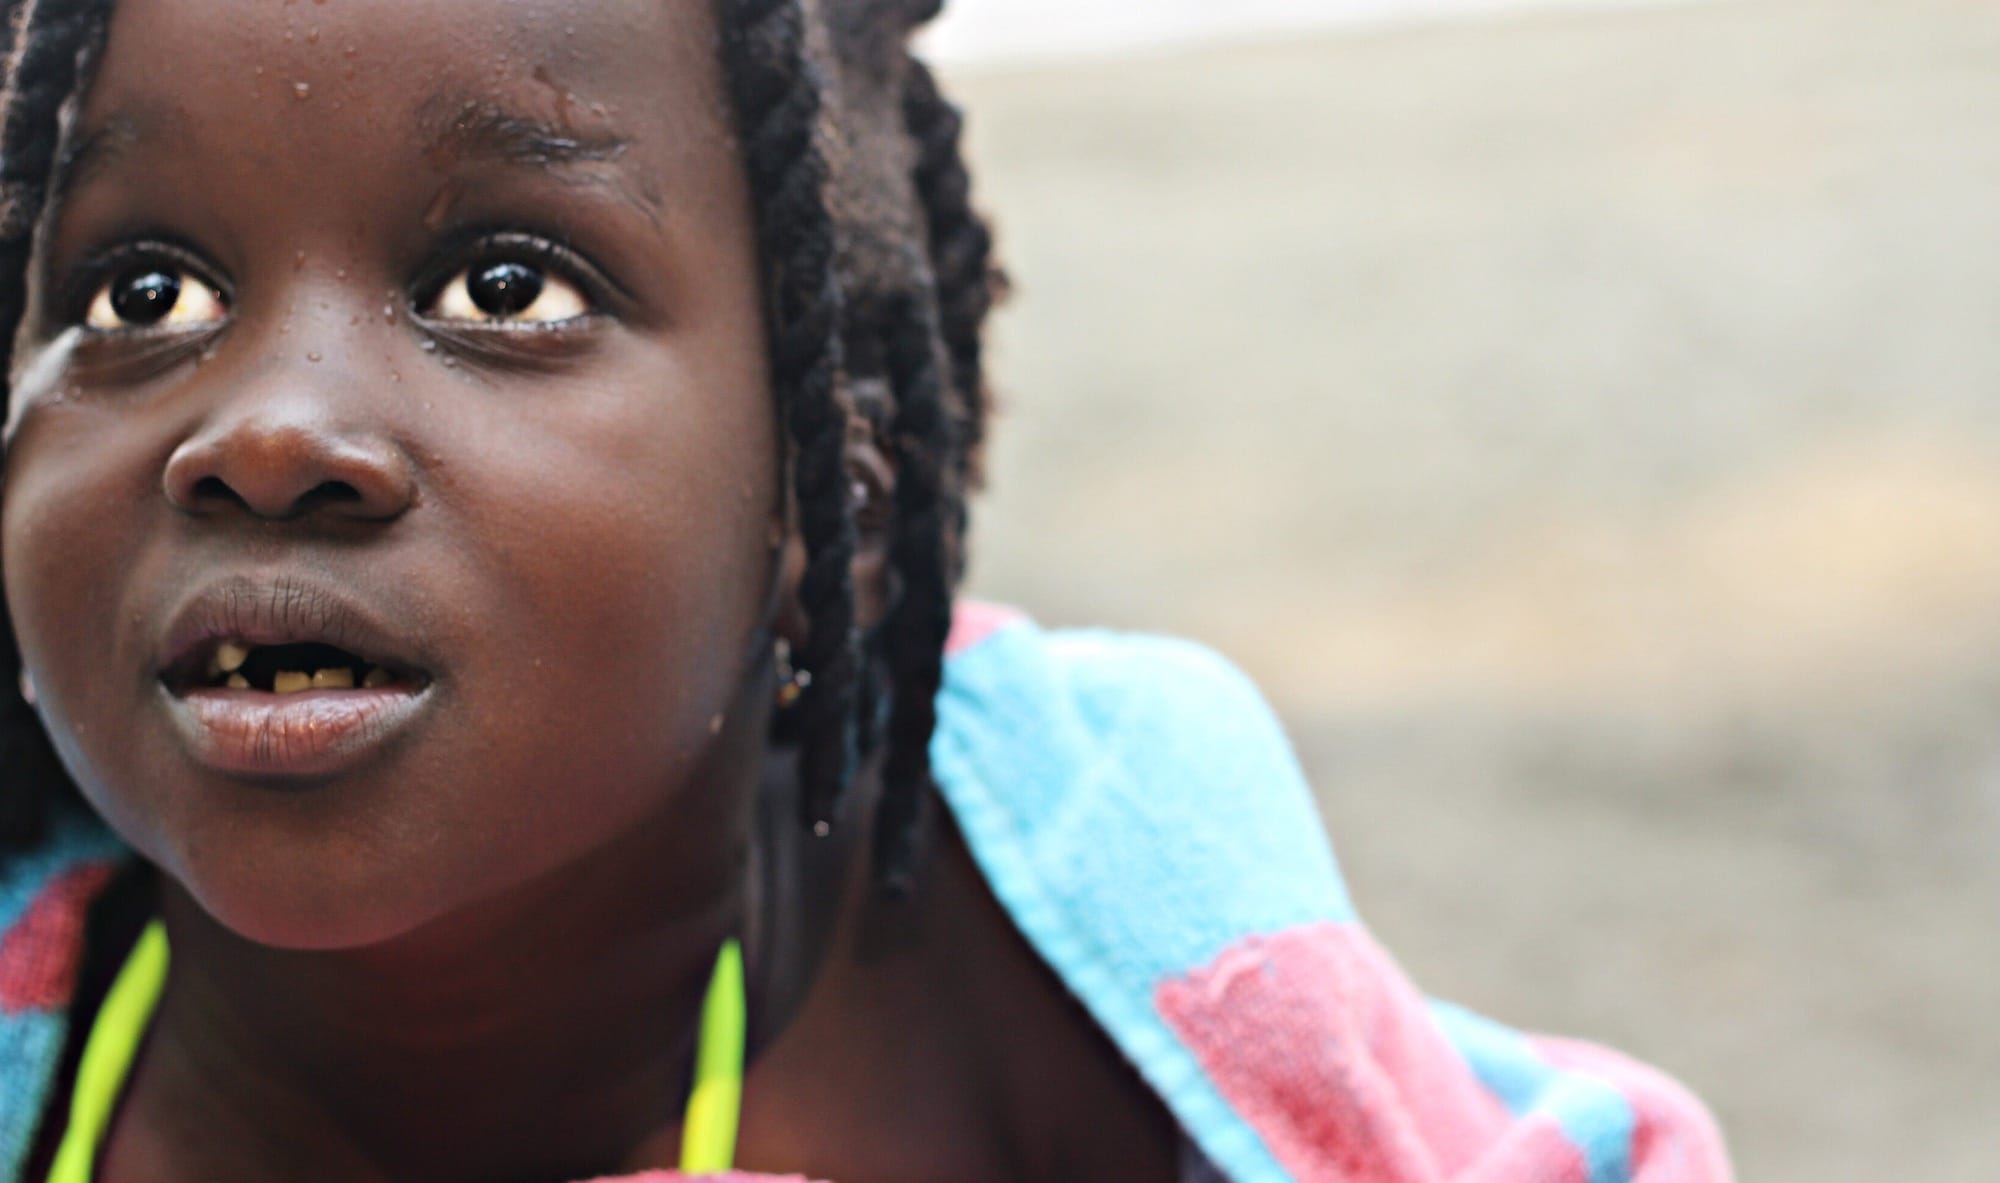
x=301, y=90
x=388, y=314
x=299, y=261
x=314, y=356
x=340, y=273
x=312, y=35
x=395, y=375
x=450, y=363
x=429, y=346
x=258, y=71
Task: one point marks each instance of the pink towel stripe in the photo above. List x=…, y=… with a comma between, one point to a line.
x=1674, y=1140
x=40, y=952
x=1316, y=1038
x=972, y=621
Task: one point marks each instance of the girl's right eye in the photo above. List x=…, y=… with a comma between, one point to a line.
x=153, y=294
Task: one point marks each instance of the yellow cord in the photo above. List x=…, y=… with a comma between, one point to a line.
x=708, y=1136
x=107, y=1056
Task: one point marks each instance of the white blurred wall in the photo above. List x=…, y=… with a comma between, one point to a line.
x=985, y=32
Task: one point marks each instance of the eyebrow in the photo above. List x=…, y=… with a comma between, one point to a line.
x=470, y=128
x=89, y=151
x=454, y=127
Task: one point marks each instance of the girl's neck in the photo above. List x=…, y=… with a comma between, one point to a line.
x=538, y=1037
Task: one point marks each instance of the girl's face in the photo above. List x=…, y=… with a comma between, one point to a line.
x=427, y=334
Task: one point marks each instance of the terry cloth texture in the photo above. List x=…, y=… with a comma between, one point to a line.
x=1139, y=813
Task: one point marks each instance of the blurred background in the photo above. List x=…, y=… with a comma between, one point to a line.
x=1584, y=421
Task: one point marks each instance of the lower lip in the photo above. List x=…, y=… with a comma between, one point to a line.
x=314, y=733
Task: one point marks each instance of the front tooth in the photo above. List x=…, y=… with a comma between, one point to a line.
x=237, y=682
x=230, y=657
x=291, y=682
x=377, y=678
x=337, y=678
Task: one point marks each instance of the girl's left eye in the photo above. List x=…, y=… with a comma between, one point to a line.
x=507, y=290
x=149, y=295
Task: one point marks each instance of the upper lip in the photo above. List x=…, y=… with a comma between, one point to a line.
x=277, y=611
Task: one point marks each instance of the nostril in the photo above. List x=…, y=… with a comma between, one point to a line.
x=214, y=488
x=329, y=493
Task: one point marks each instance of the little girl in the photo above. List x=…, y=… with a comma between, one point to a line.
x=485, y=488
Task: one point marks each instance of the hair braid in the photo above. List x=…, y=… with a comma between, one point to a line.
x=779, y=93
x=927, y=510
x=961, y=249
x=50, y=41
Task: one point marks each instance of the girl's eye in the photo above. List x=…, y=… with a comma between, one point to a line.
x=151, y=294
x=508, y=290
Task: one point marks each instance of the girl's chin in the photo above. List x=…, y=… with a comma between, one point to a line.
x=294, y=909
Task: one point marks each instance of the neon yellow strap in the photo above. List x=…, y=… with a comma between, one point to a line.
x=107, y=1056
x=708, y=1133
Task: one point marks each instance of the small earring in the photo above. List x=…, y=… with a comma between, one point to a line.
x=792, y=682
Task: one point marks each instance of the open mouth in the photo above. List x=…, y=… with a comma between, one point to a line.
x=288, y=668
x=288, y=683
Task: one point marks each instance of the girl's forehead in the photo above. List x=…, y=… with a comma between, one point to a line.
x=534, y=80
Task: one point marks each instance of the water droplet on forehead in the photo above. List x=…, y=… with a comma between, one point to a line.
x=312, y=35
x=314, y=356
x=301, y=90
x=429, y=346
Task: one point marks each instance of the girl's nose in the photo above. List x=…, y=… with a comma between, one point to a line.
x=278, y=459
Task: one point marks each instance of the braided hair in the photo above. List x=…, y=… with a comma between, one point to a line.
x=878, y=277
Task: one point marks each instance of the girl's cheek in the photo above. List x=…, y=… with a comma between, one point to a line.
x=69, y=540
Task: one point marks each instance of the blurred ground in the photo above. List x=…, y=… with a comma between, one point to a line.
x=1587, y=428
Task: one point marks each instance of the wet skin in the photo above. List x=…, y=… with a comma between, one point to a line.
x=455, y=928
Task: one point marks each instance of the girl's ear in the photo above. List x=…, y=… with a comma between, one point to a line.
x=872, y=499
